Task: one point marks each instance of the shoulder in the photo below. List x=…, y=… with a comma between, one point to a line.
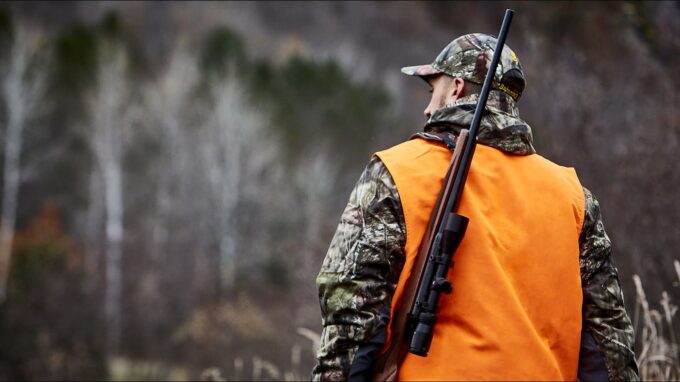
x=592, y=234
x=559, y=175
x=592, y=206
x=376, y=173
x=548, y=164
x=375, y=184
x=412, y=149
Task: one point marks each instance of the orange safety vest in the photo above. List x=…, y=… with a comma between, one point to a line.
x=515, y=309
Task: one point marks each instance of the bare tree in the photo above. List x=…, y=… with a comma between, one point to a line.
x=92, y=231
x=22, y=90
x=316, y=177
x=166, y=103
x=111, y=115
x=235, y=151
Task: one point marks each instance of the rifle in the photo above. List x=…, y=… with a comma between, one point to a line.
x=443, y=236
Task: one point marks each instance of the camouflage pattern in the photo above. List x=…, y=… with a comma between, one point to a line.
x=469, y=57
x=366, y=255
x=604, y=314
x=360, y=271
x=501, y=126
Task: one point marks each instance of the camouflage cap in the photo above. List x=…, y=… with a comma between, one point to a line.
x=469, y=57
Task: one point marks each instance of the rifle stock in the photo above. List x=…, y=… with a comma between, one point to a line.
x=387, y=364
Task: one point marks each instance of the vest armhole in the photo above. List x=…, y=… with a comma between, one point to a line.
x=580, y=199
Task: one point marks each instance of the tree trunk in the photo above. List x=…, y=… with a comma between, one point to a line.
x=95, y=212
x=110, y=111
x=21, y=94
x=11, y=177
x=114, y=240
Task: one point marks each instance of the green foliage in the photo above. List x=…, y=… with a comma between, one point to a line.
x=312, y=103
x=111, y=25
x=316, y=103
x=76, y=57
x=6, y=29
x=112, y=30
x=33, y=264
x=223, y=50
x=637, y=14
x=77, y=50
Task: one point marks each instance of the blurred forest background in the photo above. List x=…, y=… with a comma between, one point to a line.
x=172, y=173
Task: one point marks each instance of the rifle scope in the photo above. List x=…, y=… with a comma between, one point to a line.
x=451, y=229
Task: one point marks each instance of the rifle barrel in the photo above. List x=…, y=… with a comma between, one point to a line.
x=466, y=159
x=450, y=227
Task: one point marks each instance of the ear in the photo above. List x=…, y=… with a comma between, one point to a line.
x=457, y=88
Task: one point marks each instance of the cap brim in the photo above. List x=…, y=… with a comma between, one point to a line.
x=420, y=70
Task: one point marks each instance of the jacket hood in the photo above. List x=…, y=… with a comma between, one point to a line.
x=500, y=128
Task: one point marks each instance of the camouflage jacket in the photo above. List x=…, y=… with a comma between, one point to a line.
x=366, y=255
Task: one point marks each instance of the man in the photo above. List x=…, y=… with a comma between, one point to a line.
x=536, y=295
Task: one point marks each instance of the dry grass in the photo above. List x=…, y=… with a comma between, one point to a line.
x=126, y=369
x=264, y=370
x=656, y=337
x=656, y=341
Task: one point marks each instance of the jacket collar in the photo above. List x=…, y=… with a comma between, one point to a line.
x=500, y=128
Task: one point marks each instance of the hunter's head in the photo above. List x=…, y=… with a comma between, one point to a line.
x=459, y=70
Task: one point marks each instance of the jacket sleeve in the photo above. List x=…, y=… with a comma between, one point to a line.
x=359, y=274
x=607, y=336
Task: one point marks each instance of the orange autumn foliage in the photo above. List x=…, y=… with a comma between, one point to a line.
x=46, y=229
